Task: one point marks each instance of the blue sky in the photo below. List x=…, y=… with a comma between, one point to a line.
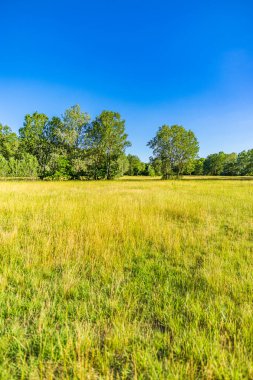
x=155, y=62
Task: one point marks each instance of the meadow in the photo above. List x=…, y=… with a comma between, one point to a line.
x=126, y=279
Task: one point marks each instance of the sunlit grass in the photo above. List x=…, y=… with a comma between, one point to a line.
x=126, y=279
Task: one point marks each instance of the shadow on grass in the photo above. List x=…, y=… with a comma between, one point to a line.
x=217, y=178
x=187, y=178
x=136, y=179
x=145, y=179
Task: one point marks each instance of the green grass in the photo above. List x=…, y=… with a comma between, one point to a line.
x=126, y=280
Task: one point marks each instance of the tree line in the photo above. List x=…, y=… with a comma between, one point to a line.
x=75, y=147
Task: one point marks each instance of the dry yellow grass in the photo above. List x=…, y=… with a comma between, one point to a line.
x=127, y=279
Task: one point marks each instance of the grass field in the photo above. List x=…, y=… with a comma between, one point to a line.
x=129, y=279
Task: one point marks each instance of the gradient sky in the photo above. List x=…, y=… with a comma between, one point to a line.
x=154, y=61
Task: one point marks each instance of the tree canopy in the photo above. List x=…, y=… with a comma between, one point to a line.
x=175, y=147
x=73, y=146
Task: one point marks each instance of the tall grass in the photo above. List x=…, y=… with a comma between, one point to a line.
x=126, y=280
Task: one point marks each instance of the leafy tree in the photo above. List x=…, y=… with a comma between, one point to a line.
x=70, y=131
x=59, y=137
x=13, y=168
x=148, y=170
x=8, y=142
x=123, y=165
x=175, y=147
x=242, y=163
x=199, y=166
x=58, y=167
x=4, y=168
x=250, y=162
x=25, y=166
x=151, y=171
x=136, y=167
x=189, y=167
x=245, y=162
x=53, y=132
x=230, y=165
x=78, y=168
x=32, y=133
x=33, y=139
x=214, y=163
x=71, y=147
x=156, y=164
x=105, y=142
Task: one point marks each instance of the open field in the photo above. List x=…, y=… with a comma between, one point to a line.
x=129, y=279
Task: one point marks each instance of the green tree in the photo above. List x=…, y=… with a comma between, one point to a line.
x=70, y=131
x=58, y=167
x=56, y=142
x=230, y=165
x=244, y=162
x=250, y=162
x=78, y=168
x=105, y=142
x=32, y=133
x=199, y=166
x=175, y=147
x=25, y=166
x=13, y=167
x=136, y=167
x=53, y=132
x=189, y=168
x=123, y=164
x=156, y=164
x=4, y=168
x=8, y=142
x=151, y=171
x=214, y=163
x=33, y=139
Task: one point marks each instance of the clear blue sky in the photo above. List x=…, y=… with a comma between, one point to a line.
x=154, y=61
